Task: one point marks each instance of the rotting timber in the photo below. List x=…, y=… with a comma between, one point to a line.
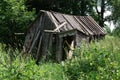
x=53, y=33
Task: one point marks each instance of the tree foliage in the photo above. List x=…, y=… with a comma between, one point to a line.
x=115, y=10
x=76, y=7
x=116, y=16
x=14, y=18
x=101, y=7
x=16, y=15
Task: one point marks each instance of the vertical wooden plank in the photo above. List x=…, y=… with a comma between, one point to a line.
x=59, y=48
x=32, y=33
x=38, y=56
x=70, y=53
x=33, y=43
x=46, y=45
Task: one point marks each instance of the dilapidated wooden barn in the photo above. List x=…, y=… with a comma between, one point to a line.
x=54, y=33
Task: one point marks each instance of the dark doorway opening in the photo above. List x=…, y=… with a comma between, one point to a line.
x=67, y=41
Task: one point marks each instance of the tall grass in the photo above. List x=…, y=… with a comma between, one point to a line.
x=19, y=68
x=99, y=60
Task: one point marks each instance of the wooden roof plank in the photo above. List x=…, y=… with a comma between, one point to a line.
x=73, y=23
x=61, y=19
x=86, y=24
x=83, y=26
x=91, y=19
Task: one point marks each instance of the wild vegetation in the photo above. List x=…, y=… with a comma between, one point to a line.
x=16, y=16
x=100, y=60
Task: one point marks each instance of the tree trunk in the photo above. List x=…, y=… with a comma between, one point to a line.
x=101, y=22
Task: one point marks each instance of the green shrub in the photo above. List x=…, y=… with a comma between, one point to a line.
x=19, y=68
x=95, y=61
x=98, y=61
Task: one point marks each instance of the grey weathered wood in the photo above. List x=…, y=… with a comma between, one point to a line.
x=33, y=34
x=86, y=24
x=70, y=27
x=61, y=19
x=74, y=24
x=45, y=45
x=49, y=31
x=59, y=54
x=83, y=26
x=38, y=26
x=61, y=25
x=39, y=48
x=96, y=29
x=53, y=19
x=56, y=29
x=70, y=53
x=19, y=33
x=92, y=20
x=33, y=43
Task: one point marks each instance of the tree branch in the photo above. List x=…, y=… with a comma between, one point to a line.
x=99, y=14
x=97, y=11
x=107, y=2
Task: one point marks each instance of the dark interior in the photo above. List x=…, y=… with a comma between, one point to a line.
x=66, y=45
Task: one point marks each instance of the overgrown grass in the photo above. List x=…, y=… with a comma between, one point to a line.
x=99, y=60
x=19, y=68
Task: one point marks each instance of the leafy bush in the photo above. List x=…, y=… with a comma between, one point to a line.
x=98, y=61
x=15, y=67
x=95, y=61
x=14, y=18
x=116, y=31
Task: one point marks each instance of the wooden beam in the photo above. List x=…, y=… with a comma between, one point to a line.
x=38, y=56
x=51, y=31
x=53, y=19
x=61, y=25
x=70, y=53
x=58, y=49
x=19, y=33
x=33, y=43
x=56, y=29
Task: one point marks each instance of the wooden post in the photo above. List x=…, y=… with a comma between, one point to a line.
x=70, y=53
x=59, y=48
x=39, y=49
x=33, y=43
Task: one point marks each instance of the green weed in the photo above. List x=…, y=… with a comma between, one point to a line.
x=99, y=60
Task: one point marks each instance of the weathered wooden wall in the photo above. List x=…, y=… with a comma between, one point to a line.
x=59, y=27
x=81, y=37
